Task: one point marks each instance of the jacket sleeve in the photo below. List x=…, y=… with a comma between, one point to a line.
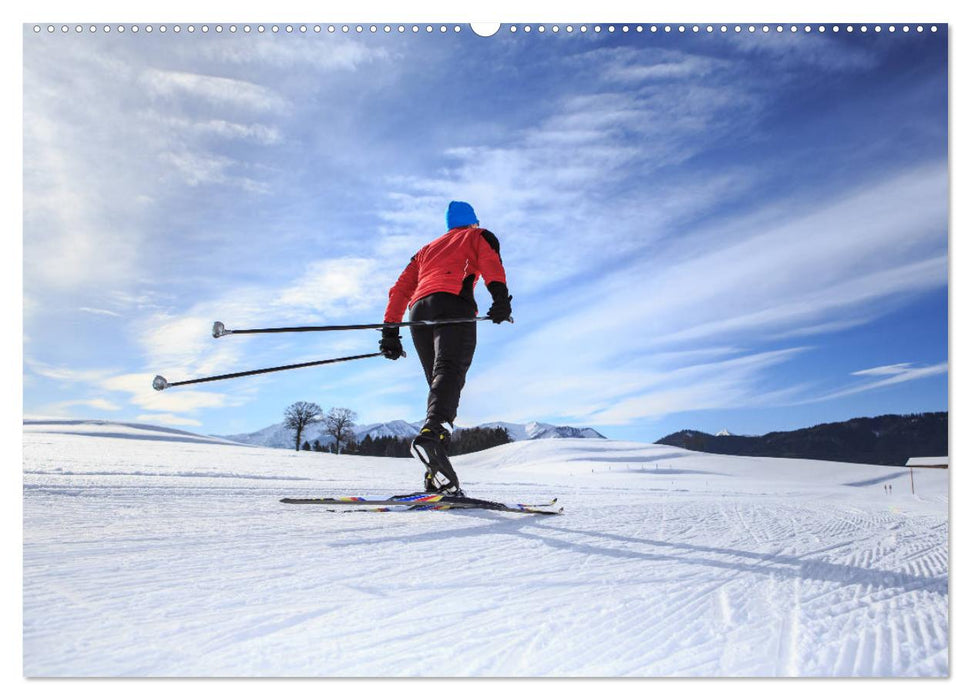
x=400, y=293
x=488, y=259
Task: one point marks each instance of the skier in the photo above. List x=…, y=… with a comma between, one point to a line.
x=438, y=283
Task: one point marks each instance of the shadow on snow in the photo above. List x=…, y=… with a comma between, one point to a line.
x=761, y=563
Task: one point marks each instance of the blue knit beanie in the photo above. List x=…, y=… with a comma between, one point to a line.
x=460, y=214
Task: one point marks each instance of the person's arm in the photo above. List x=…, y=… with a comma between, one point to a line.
x=488, y=259
x=489, y=262
x=400, y=293
x=398, y=297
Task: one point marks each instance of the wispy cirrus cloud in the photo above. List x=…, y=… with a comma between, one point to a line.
x=886, y=370
x=113, y=390
x=630, y=65
x=97, y=404
x=333, y=286
x=837, y=261
x=581, y=385
x=220, y=91
x=857, y=256
x=139, y=391
x=725, y=384
x=793, y=51
x=98, y=312
x=66, y=374
x=334, y=54
x=167, y=419
x=894, y=375
x=90, y=228
x=246, y=131
x=209, y=169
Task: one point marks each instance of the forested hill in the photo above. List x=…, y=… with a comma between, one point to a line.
x=889, y=439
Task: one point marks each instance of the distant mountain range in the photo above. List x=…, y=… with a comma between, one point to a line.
x=889, y=439
x=279, y=436
x=542, y=431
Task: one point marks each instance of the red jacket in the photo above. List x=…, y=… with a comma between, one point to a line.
x=452, y=263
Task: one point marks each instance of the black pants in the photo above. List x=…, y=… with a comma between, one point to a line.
x=445, y=351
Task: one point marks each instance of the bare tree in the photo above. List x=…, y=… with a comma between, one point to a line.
x=299, y=415
x=338, y=423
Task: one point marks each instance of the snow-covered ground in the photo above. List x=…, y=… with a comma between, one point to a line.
x=153, y=552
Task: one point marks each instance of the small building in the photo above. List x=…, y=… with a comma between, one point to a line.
x=928, y=462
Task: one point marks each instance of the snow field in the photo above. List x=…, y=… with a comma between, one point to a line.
x=157, y=553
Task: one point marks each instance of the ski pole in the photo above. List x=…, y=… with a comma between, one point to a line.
x=160, y=382
x=219, y=328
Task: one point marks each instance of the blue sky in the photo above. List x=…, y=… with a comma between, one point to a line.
x=709, y=231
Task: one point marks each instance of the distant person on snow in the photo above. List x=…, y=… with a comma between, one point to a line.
x=438, y=283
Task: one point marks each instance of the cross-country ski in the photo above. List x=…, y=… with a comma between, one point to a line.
x=429, y=501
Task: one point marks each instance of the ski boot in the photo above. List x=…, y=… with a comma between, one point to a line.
x=430, y=449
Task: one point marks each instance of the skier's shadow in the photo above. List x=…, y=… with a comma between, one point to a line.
x=762, y=563
x=768, y=564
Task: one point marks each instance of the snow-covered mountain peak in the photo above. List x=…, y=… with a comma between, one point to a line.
x=278, y=436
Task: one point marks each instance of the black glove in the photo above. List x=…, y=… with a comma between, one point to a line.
x=390, y=345
x=501, y=309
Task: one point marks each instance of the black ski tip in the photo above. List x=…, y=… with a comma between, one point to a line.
x=159, y=383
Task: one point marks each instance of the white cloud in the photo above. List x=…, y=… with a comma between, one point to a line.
x=585, y=386
x=139, y=388
x=66, y=374
x=255, y=133
x=82, y=189
x=335, y=54
x=206, y=168
x=839, y=261
x=181, y=346
x=329, y=286
x=240, y=94
x=790, y=51
x=67, y=241
x=328, y=290
x=886, y=370
x=896, y=374
x=166, y=419
x=98, y=404
x=183, y=343
x=628, y=64
x=98, y=312
x=108, y=136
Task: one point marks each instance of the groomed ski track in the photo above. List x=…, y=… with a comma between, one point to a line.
x=147, y=552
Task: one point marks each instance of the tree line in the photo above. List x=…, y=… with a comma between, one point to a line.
x=463, y=442
x=339, y=424
x=888, y=439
